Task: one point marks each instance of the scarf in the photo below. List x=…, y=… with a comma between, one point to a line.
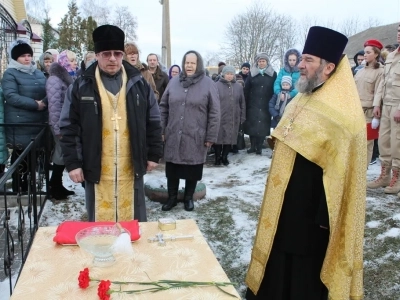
x=187, y=81
x=284, y=102
x=28, y=69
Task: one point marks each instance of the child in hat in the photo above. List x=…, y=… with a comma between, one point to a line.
x=277, y=104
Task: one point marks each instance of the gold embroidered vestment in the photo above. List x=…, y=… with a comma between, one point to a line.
x=329, y=131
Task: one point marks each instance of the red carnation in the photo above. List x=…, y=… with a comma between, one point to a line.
x=84, y=278
x=103, y=289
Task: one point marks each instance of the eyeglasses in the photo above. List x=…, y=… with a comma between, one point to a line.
x=108, y=54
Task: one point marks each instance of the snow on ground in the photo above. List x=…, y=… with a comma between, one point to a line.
x=228, y=218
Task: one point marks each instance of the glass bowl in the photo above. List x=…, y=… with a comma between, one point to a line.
x=98, y=240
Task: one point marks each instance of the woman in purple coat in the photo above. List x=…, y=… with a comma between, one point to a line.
x=190, y=119
x=61, y=77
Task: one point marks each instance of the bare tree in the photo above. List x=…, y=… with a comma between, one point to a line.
x=258, y=29
x=287, y=40
x=124, y=19
x=372, y=22
x=37, y=9
x=211, y=59
x=97, y=9
x=350, y=26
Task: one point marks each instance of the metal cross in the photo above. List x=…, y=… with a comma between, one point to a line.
x=288, y=128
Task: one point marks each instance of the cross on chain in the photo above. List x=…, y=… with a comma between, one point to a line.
x=288, y=128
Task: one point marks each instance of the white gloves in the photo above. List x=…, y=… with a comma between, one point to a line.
x=375, y=123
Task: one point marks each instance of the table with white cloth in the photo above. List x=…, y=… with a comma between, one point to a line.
x=51, y=271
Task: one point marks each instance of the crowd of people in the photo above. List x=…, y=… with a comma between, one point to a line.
x=115, y=117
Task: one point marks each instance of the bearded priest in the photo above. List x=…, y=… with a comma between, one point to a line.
x=309, y=241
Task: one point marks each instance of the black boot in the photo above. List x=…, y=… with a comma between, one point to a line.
x=252, y=145
x=259, y=144
x=218, y=150
x=173, y=186
x=225, y=152
x=56, y=187
x=234, y=149
x=190, y=188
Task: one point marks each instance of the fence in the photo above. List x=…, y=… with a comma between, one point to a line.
x=23, y=201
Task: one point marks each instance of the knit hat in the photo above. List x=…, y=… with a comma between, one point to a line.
x=246, y=64
x=221, y=63
x=108, y=37
x=325, y=43
x=287, y=79
x=21, y=47
x=228, y=69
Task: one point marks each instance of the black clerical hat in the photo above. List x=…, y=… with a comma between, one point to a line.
x=325, y=43
x=108, y=37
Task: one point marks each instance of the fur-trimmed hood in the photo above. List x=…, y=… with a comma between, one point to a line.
x=57, y=70
x=287, y=67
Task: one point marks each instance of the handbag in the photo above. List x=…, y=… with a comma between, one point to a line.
x=240, y=140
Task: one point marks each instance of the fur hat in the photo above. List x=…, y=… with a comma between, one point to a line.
x=228, y=69
x=21, y=47
x=286, y=79
x=246, y=64
x=325, y=43
x=108, y=37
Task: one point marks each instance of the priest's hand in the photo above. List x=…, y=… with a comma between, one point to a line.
x=396, y=116
x=377, y=112
x=76, y=175
x=208, y=144
x=151, y=165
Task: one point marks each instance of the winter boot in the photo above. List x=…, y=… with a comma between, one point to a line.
x=218, y=150
x=383, y=179
x=394, y=186
x=173, y=186
x=225, y=152
x=234, y=149
x=56, y=187
x=252, y=145
x=190, y=188
x=259, y=145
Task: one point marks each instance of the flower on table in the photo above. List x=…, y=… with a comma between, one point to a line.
x=103, y=291
x=84, y=278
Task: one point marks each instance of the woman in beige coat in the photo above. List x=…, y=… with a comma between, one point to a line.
x=367, y=82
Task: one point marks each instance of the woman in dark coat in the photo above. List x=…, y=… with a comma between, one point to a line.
x=190, y=118
x=25, y=102
x=233, y=113
x=258, y=90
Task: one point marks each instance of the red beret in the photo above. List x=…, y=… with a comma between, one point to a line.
x=374, y=43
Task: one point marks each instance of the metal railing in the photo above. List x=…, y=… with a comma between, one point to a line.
x=29, y=173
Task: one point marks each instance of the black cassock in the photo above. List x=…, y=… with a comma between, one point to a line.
x=295, y=262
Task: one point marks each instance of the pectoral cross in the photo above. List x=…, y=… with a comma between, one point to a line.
x=288, y=128
x=115, y=118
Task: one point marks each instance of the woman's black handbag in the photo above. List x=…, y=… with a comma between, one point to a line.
x=240, y=140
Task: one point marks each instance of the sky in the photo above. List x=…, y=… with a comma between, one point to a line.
x=200, y=25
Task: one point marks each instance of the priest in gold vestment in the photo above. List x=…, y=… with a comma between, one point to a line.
x=309, y=241
x=111, y=132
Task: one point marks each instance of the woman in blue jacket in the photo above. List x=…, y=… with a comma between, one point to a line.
x=291, y=61
x=25, y=101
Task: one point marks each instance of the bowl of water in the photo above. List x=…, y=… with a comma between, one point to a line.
x=98, y=241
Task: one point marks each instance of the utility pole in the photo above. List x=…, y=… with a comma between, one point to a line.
x=166, y=35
